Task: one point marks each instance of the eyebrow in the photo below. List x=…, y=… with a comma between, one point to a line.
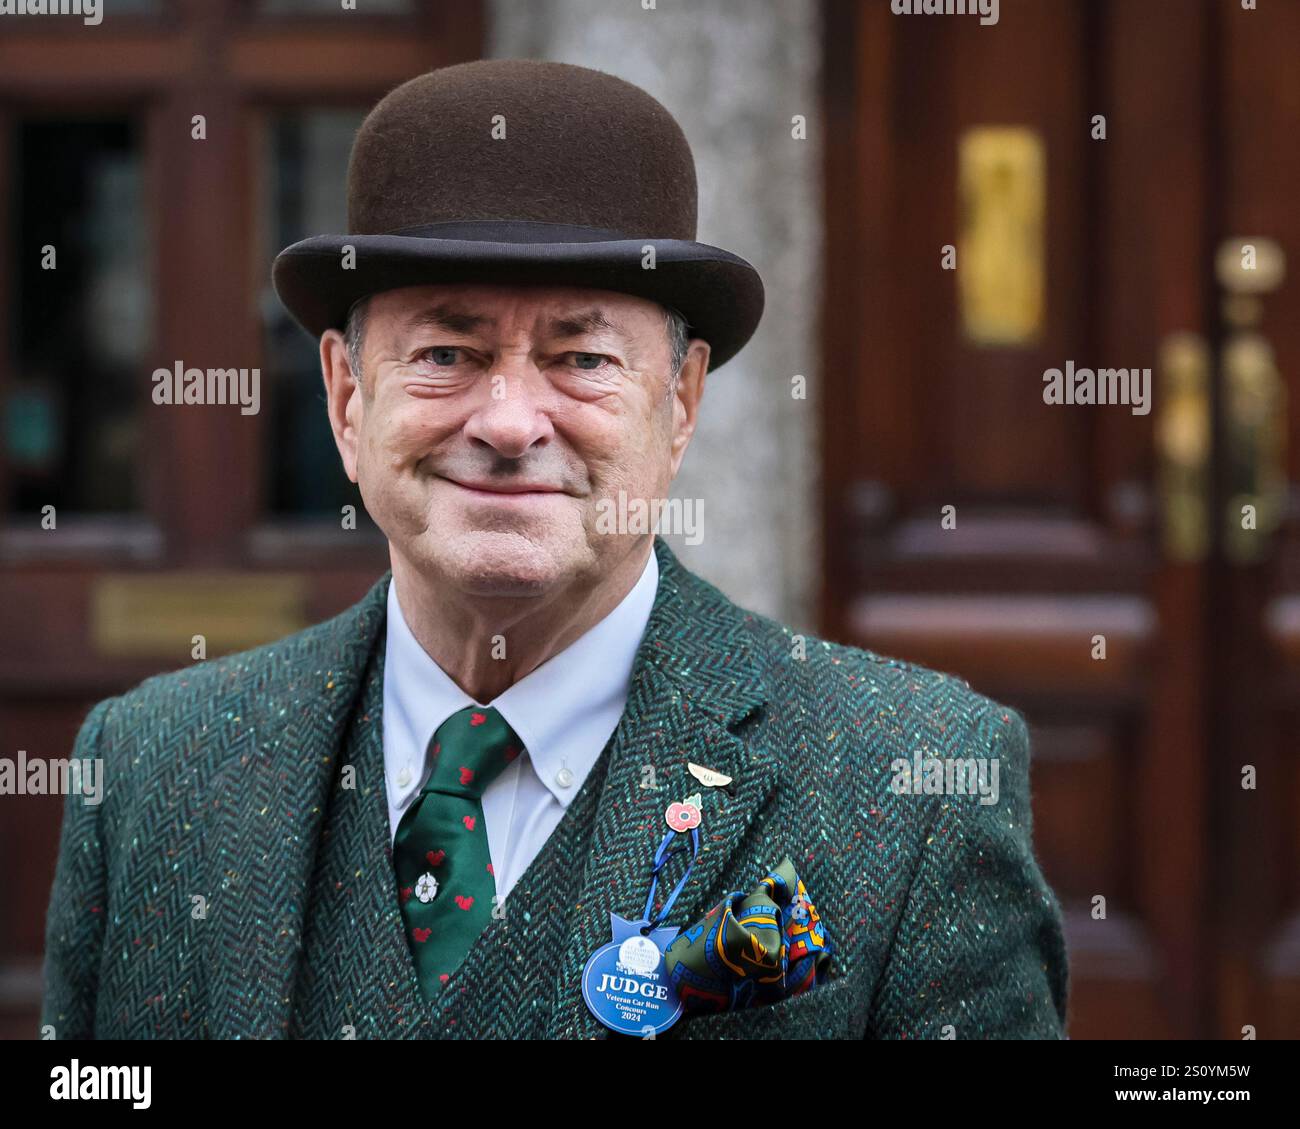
x=453, y=320
x=446, y=318
x=588, y=321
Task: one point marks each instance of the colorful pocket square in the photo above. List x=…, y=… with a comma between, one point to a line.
x=752, y=948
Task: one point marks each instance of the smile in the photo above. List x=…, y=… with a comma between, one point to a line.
x=507, y=493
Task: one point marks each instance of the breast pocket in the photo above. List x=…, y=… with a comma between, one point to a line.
x=830, y=1011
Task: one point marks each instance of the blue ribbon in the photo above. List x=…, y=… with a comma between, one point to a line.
x=662, y=855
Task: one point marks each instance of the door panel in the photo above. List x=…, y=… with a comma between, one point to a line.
x=1256, y=652
x=974, y=527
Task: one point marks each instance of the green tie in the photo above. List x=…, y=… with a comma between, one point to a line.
x=444, y=873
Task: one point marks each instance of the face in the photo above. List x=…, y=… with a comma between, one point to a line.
x=494, y=427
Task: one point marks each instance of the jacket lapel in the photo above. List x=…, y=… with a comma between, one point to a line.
x=270, y=801
x=694, y=682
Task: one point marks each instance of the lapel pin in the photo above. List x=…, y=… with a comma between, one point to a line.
x=684, y=815
x=710, y=778
x=426, y=887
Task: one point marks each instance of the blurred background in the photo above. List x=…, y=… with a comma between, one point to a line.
x=1116, y=182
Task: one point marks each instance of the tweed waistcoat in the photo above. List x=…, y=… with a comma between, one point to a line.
x=230, y=886
x=353, y=920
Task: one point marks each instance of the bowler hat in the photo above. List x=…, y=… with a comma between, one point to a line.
x=519, y=171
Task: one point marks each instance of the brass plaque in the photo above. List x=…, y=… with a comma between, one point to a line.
x=1001, y=272
x=158, y=614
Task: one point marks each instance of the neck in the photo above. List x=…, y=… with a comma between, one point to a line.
x=487, y=644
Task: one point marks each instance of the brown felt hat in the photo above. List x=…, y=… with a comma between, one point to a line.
x=518, y=171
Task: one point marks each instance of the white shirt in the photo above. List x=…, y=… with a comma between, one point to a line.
x=564, y=712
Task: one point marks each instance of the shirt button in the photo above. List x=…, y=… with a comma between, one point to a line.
x=404, y=778
x=564, y=778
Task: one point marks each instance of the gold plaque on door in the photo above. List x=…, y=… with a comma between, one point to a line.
x=1002, y=186
x=157, y=614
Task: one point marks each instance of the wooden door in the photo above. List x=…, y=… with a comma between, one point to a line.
x=165, y=156
x=1254, y=654
x=1084, y=163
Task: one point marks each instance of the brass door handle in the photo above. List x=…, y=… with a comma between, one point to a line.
x=1183, y=438
x=1254, y=402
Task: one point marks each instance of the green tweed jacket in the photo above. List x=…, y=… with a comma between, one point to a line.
x=236, y=880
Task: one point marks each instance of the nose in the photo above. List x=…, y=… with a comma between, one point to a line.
x=510, y=417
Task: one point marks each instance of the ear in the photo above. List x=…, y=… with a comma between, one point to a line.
x=344, y=400
x=686, y=403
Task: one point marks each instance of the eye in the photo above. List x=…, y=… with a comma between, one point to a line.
x=588, y=362
x=443, y=356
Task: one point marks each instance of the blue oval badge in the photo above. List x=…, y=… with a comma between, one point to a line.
x=625, y=984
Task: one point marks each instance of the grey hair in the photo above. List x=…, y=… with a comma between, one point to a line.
x=675, y=324
x=679, y=338
x=353, y=334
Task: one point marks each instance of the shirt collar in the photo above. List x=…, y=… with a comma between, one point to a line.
x=564, y=711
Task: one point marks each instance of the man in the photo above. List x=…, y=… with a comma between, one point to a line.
x=542, y=780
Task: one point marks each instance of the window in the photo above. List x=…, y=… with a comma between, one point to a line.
x=305, y=194
x=82, y=302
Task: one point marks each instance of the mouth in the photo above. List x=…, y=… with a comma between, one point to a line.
x=507, y=492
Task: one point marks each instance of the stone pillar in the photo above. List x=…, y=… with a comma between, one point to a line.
x=735, y=73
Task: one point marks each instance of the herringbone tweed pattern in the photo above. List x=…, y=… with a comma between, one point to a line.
x=236, y=881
